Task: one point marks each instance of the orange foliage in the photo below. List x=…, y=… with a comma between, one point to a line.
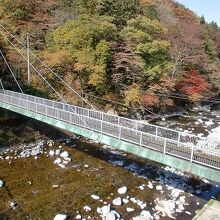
x=149, y=100
x=194, y=85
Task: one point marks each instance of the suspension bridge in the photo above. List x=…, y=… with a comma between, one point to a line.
x=180, y=150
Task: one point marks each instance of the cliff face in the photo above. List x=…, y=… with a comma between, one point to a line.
x=135, y=52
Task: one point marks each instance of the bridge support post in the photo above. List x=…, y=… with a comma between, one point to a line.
x=178, y=141
x=119, y=135
x=191, y=157
x=28, y=59
x=164, y=146
x=141, y=137
x=101, y=127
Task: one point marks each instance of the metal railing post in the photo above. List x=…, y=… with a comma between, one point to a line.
x=156, y=132
x=164, y=146
x=178, y=141
x=141, y=137
x=101, y=126
x=192, y=152
x=119, y=135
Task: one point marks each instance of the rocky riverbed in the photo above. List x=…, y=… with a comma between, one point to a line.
x=72, y=178
x=53, y=175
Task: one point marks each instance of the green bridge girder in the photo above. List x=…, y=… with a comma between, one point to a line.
x=181, y=164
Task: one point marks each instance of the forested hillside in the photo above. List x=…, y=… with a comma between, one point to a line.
x=141, y=53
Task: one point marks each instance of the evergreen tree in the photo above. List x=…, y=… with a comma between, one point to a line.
x=202, y=20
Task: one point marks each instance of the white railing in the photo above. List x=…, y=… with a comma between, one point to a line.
x=159, y=139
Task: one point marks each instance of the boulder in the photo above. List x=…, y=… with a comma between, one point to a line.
x=64, y=154
x=57, y=152
x=1, y=183
x=78, y=217
x=129, y=209
x=58, y=161
x=122, y=190
x=60, y=217
x=110, y=216
x=87, y=208
x=159, y=187
x=117, y=201
x=51, y=152
x=105, y=210
x=95, y=197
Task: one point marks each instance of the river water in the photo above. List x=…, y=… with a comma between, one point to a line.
x=43, y=189
x=203, y=121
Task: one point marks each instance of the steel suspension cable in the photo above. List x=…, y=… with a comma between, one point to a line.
x=11, y=71
x=3, y=89
x=64, y=82
x=45, y=80
x=23, y=45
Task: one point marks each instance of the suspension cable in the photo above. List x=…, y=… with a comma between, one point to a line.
x=65, y=83
x=45, y=80
x=3, y=89
x=11, y=71
x=23, y=45
x=2, y=86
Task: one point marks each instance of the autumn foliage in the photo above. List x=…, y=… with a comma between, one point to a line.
x=133, y=52
x=194, y=85
x=149, y=100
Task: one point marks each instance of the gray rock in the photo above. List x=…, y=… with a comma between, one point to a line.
x=58, y=161
x=110, y=216
x=60, y=217
x=129, y=209
x=117, y=201
x=57, y=152
x=122, y=190
x=105, y=210
x=51, y=152
x=64, y=154
x=1, y=183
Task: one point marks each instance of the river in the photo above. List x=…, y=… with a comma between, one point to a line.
x=42, y=184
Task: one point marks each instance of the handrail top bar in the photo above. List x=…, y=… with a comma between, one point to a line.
x=120, y=117
x=131, y=129
x=207, y=156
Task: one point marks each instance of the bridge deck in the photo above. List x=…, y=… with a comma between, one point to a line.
x=158, y=139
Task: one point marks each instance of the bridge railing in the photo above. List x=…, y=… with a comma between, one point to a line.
x=122, y=121
x=185, y=150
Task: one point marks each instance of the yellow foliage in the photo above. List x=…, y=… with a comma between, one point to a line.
x=56, y=58
x=133, y=95
x=147, y=3
x=98, y=76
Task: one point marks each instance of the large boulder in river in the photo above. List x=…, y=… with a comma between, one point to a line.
x=64, y=154
x=1, y=183
x=60, y=217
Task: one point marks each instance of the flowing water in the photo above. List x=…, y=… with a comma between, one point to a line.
x=203, y=121
x=41, y=189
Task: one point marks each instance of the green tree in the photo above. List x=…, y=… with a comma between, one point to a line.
x=121, y=10
x=86, y=39
x=145, y=35
x=211, y=50
x=202, y=20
